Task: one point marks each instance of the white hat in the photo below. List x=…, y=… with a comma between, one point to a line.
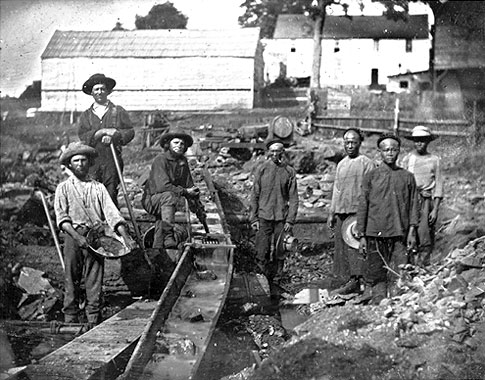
x=420, y=132
x=349, y=232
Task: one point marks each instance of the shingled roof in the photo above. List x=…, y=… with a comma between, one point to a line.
x=340, y=27
x=153, y=43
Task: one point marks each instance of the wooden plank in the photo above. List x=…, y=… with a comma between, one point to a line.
x=93, y=354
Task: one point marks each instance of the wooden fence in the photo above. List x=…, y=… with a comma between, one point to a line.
x=397, y=124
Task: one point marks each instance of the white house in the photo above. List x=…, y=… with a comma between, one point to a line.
x=155, y=69
x=357, y=51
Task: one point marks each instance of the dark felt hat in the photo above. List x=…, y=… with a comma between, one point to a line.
x=421, y=132
x=176, y=133
x=74, y=149
x=110, y=83
x=273, y=141
x=388, y=135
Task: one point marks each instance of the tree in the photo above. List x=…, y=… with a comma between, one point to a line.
x=264, y=13
x=162, y=16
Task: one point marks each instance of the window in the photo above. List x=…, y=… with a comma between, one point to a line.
x=404, y=84
x=376, y=45
x=409, y=46
x=374, y=77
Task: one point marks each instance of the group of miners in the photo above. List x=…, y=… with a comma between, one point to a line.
x=395, y=207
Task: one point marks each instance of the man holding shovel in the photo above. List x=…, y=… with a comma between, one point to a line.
x=103, y=124
x=81, y=204
x=170, y=180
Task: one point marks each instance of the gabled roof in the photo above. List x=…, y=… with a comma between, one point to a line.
x=153, y=43
x=341, y=27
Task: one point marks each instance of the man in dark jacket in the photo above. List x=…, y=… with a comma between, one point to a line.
x=103, y=124
x=274, y=205
x=387, y=218
x=170, y=180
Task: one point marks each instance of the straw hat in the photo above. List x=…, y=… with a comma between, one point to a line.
x=74, y=149
x=286, y=243
x=349, y=232
x=421, y=132
x=110, y=83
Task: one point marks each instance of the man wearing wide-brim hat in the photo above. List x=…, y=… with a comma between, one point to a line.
x=170, y=180
x=274, y=205
x=80, y=204
x=426, y=168
x=103, y=124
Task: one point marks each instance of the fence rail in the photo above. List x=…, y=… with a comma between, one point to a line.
x=379, y=124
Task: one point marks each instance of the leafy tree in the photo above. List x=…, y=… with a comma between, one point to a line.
x=264, y=13
x=162, y=16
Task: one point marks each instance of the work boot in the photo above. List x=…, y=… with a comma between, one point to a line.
x=168, y=219
x=379, y=292
x=351, y=286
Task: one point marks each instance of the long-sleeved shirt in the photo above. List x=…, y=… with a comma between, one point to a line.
x=348, y=184
x=85, y=203
x=275, y=193
x=427, y=172
x=115, y=117
x=169, y=173
x=388, y=204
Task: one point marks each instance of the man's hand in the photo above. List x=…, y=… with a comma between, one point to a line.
x=81, y=240
x=106, y=135
x=255, y=225
x=287, y=227
x=433, y=216
x=411, y=239
x=192, y=191
x=331, y=221
x=130, y=243
x=363, y=246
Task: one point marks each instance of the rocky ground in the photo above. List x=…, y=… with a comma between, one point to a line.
x=434, y=329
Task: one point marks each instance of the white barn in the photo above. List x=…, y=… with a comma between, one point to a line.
x=356, y=51
x=173, y=70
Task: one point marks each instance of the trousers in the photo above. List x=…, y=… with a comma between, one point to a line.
x=82, y=265
x=270, y=265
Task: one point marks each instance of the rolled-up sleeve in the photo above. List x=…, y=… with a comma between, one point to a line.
x=61, y=206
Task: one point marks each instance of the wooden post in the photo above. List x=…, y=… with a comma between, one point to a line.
x=396, y=118
x=475, y=125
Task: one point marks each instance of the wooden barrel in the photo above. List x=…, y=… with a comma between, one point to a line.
x=282, y=127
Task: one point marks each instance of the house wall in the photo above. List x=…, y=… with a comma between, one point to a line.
x=186, y=83
x=345, y=62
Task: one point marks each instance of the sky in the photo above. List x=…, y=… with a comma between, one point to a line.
x=26, y=26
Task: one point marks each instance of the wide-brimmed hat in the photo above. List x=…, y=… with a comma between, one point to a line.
x=176, y=133
x=421, y=132
x=273, y=141
x=285, y=244
x=74, y=149
x=349, y=232
x=110, y=83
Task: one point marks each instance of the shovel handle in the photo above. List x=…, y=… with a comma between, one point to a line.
x=53, y=230
x=125, y=194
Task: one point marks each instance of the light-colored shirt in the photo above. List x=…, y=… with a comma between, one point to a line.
x=348, y=183
x=100, y=109
x=85, y=203
x=427, y=172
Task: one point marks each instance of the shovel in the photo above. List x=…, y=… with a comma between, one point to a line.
x=52, y=228
x=139, y=239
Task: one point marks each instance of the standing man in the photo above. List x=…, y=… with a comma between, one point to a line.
x=80, y=204
x=429, y=180
x=274, y=205
x=347, y=263
x=387, y=218
x=103, y=124
x=170, y=180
